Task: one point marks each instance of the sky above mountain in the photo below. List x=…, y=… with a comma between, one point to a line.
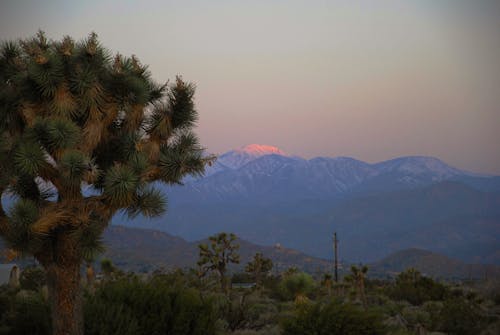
x=368, y=79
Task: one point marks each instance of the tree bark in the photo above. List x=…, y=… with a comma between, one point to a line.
x=62, y=265
x=65, y=295
x=63, y=281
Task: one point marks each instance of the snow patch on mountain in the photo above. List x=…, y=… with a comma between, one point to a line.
x=323, y=174
x=419, y=165
x=235, y=159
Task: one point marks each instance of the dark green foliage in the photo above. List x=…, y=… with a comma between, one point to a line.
x=296, y=286
x=417, y=289
x=29, y=158
x=25, y=313
x=148, y=202
x=129, y=306
x=74, y=164
x=22, y=216
x=242, y=277
x=334, y=319
x=179, y=303
x=460, y=316
x=32, y=278
x=107, y=266
x=120, y=184
x=181, y=100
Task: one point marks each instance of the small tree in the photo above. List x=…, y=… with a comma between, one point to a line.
x=258, y=267
x=216, y=256
x=357, y=278
x=84, y=135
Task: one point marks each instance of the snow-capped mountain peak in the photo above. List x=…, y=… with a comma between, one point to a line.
x=237, y=158
x=260, y=150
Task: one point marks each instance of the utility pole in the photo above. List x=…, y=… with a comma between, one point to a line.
x=335, y=241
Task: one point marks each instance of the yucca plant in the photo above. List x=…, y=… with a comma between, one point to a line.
x=84, y=135
x=258, y=267
x=216, y=257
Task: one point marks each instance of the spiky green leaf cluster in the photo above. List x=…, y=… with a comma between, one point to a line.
x=120, y=185
x=22, y=216
x=29, y=158
x=56, y=133
x=74, y=164
x=149, y=202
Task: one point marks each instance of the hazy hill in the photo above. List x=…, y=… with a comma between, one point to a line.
x=133, y=249
x=432, y=264
x=448, y=218
x=142, y=249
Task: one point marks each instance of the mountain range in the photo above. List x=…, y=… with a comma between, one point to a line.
x=267, y=196
x=144, y=250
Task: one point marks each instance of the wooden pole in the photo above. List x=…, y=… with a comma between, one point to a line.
x=335, y=241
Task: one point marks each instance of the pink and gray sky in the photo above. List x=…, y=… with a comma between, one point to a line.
x=367, y=79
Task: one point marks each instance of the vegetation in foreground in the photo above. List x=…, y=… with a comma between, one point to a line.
x=189, y=302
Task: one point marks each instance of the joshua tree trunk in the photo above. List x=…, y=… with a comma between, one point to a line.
x=63, y=282
x=362, y=291
x=66, y=299
x=224, y=281
x=257, y=279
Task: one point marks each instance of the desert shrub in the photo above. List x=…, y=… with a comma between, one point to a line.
x=416, y=289
x=129, y=306
x=27, y=313
x=334, y=318
x=296, y=286
x=460, y=317
x=249, y=310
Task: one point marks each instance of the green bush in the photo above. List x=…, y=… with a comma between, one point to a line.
x=129, y=306
x=333, y=319
x=296, y=286
x=416, y=289
x=460, y=317
x=27, y=313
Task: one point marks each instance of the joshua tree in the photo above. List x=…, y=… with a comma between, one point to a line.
x=357, y=277
x=82, y=136
x=259, y=266
x=216, y=257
